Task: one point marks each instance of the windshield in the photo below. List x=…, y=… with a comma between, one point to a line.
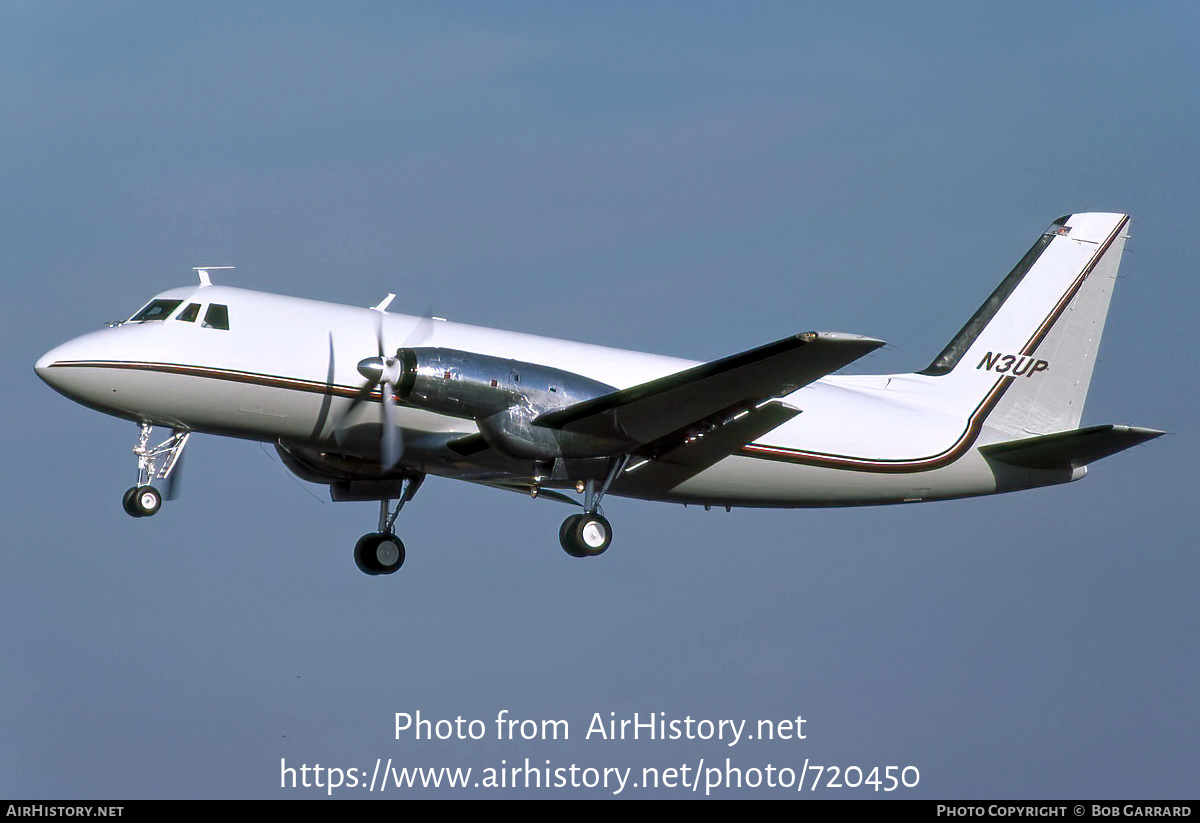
x=155, y=310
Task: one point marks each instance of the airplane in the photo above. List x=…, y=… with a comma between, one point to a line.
x=369, y=402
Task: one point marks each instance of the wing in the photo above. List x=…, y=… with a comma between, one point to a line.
x=710, y=393
x=677, y=426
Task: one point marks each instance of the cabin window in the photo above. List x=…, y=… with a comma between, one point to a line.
x=190, y=314
x=155, y=310
x=217, y=317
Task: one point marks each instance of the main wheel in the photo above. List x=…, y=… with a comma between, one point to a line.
x=585, y=535
x=379, y=553
x=141, y=501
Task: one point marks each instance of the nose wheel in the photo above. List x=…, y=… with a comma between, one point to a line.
x=141, y=501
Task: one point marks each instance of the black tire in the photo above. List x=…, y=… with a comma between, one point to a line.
x=127, y=502
x=378, y=553
x=142, y=501
x=568, y=539
x=364, y=550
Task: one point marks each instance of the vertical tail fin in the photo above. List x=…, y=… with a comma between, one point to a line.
x=1030, y=349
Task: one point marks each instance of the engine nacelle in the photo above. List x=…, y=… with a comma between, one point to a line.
x=503, y=397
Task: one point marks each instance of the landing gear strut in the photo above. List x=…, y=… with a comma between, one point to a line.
x=154, y=463
x=589, y=534
x=382, y=552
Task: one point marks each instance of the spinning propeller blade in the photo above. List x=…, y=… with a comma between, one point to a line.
x=381, y=372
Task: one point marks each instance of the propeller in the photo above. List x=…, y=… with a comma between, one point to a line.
x=327, y=398
x=383, y=372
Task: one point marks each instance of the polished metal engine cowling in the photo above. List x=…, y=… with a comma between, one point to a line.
x=503, y=396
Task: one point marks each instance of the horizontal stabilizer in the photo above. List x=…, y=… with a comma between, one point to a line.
x=644, y=413
x=1069, y=449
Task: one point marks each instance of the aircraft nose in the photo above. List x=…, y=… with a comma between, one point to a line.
x=44, y=363
x=42, y=366
x=58, y=378
x=58, y=368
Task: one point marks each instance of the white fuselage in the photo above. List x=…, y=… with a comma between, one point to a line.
x=285, y=370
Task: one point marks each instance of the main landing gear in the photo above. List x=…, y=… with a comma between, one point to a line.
x=154, y=463
x=382, y=552
x=590, y=534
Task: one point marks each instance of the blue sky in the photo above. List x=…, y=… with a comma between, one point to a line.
x=689, y=179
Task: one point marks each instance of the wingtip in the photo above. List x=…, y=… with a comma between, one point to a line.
x=844, y=338
x=1141, y=431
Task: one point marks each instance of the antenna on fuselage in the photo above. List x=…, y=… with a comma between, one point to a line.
x=203, y=271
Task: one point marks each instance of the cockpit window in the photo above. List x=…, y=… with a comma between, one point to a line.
x=217, y=317
x=155, y=310
x=190, y=314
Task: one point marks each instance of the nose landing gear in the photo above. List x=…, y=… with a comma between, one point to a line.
x=154, y=463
